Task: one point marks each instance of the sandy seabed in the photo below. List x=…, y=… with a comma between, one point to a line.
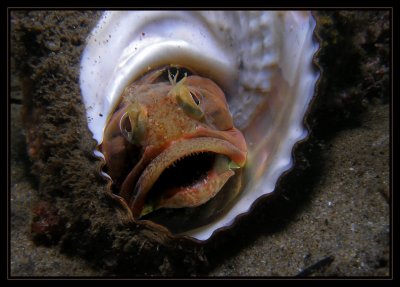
x=333, y=222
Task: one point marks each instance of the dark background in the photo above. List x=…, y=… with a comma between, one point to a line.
x=329, y=217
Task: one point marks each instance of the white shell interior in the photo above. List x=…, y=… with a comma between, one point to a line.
x=262, y=59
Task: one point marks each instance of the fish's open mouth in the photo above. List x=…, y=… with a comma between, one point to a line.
x=183, y=173
x=186, y=174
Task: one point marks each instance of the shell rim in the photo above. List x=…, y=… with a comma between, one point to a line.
x=126, y=214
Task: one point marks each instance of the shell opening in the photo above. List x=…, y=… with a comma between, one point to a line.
x=262, y=59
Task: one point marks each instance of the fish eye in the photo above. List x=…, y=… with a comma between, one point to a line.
x=191, y=106
x=195, y=98
x=132, y=124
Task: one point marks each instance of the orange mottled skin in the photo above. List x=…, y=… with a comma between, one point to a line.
x=161, y=121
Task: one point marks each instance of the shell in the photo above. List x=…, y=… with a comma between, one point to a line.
x=263, y=60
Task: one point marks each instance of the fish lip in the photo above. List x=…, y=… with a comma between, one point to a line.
x=153, y=170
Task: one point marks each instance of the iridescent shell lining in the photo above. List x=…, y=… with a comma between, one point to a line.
x=263, y=60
